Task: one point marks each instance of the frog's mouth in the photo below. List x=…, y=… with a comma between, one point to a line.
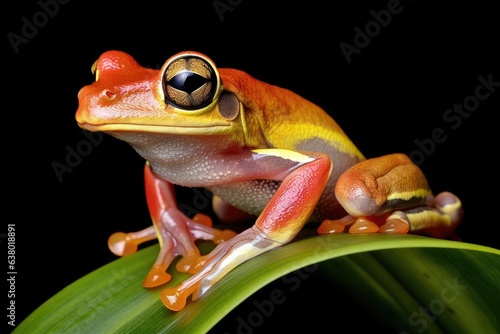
x=218, y=128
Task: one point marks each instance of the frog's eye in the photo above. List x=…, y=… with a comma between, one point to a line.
x=190, y=82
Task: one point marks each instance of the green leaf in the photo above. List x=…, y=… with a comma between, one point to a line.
x=416, y=283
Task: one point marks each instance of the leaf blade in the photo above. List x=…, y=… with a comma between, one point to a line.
x=112, y=300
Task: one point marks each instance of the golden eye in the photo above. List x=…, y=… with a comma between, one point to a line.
x=190, y=82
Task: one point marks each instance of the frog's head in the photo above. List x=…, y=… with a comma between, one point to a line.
x=184, y=97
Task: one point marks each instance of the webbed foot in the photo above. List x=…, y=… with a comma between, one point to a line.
x=438, y=218
x=177, y=235
x=214, y=266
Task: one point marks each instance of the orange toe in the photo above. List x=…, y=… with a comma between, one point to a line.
x=122, y=244
x=224, y=235
x=395, y=226
x=187, y=261
x=363, y=225
x=175, y=298
x=202, y=219
x=330, y=226
x=156, y=277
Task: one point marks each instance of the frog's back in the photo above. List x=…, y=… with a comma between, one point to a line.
x=286, y=119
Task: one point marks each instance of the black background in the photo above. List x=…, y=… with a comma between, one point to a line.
x=393, y=92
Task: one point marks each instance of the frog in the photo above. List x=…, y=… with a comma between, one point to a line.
x=268, y=156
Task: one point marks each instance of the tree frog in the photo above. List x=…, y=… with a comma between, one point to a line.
x=263, y=151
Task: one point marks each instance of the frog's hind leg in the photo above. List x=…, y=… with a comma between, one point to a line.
x=390, y=194
x=439, y=218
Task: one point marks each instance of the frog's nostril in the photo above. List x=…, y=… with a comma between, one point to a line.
x=109, y=94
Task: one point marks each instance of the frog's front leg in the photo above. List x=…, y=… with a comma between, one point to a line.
x=175, y=231
x=281, y=220
x=390, y=194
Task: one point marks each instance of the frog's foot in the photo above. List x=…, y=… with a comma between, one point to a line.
x=214, y=266
x=177, y=236
x=438, y=218
x=179, y=239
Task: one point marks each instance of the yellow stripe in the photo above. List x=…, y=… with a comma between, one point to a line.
x=428, y=218
x=285, y=154
x=337, y=140
x=407, y=195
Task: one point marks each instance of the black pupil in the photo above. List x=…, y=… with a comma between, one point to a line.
x=187, y=81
